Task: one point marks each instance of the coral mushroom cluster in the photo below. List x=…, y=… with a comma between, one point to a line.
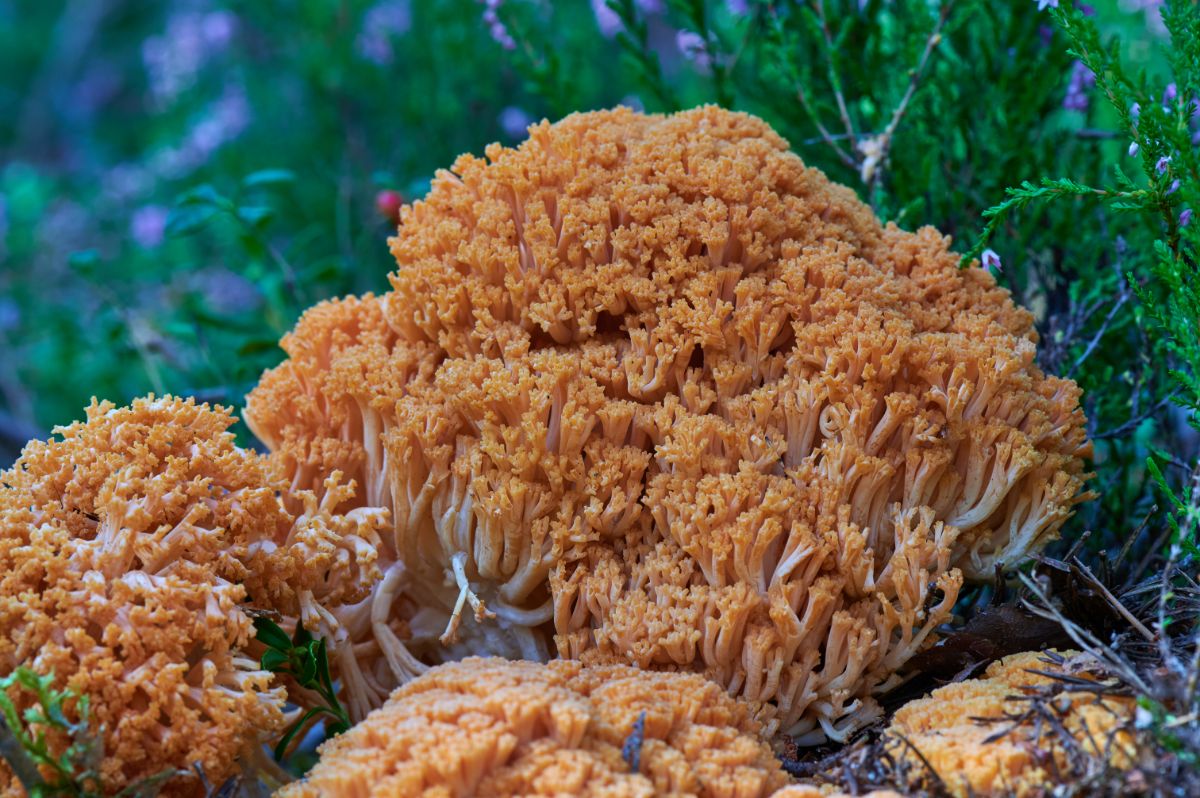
x=127, y=547
x=501, y=728
x=647, y=390
x=981, y=738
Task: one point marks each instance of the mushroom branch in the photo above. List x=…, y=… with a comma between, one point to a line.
x=502, y=728
x=130, y=547
x=648, y=390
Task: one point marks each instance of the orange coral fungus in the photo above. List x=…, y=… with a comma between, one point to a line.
x=124, y=547
x=804, y=791
x=501, y=728
x=648, y=390
x=981, y=737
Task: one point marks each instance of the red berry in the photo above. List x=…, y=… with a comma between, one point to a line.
x=388, y=203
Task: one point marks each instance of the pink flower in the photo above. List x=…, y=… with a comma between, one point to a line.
x=990, y=260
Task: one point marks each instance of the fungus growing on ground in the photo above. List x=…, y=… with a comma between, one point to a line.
x=505, y=728
x=648, y=390
x=127, y=546
x=805, y=791
x=1011, y=732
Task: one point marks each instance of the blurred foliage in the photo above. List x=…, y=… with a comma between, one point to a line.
x=179, y=181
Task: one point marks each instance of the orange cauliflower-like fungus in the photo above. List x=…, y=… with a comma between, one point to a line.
x=980, y=738
x=646, y=389
x=127, y=546
x=512, y=728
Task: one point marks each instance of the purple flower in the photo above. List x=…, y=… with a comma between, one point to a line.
x=173, y=58
x=1171, y=189
x=1169, y=94
x=515, y=122
x=218, y=28
x=382, y=23
x=3, y=226
x=501, y=36
x=1044, y=4
x=228, y=292
x=1133, y=148
x=496, y=28
x=221, y=122
x=738, y=8
x=147, y=226
x=10, y=314
x=1135, y=110
x=693, y=48
x=1082, y=79
x=1161, y=165
x=1185, y=217
x=649, y=6
x=607, y=20
x=990, y=260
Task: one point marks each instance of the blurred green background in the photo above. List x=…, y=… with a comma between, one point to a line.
x=179, y=180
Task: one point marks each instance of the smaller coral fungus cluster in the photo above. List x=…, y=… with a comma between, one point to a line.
x=504, y=729
x=128, y=548
x=986, y=737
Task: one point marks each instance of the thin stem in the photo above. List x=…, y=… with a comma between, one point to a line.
x=819, y=8
x=885, y=139
x=829, y=139
x=1122, y=298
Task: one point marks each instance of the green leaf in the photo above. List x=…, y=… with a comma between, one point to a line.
x=307, y=662
x=1157, y=475
x=301, y=637
x=268, y=177
x=269, y=634
x=323, y=666
x=257, y=346
x=203, y=194
x=187, y=219
x=274, y=661
x=257, y=216
x=84, y=262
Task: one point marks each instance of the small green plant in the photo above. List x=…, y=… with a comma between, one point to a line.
x=25, y=742
x=303, y=658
